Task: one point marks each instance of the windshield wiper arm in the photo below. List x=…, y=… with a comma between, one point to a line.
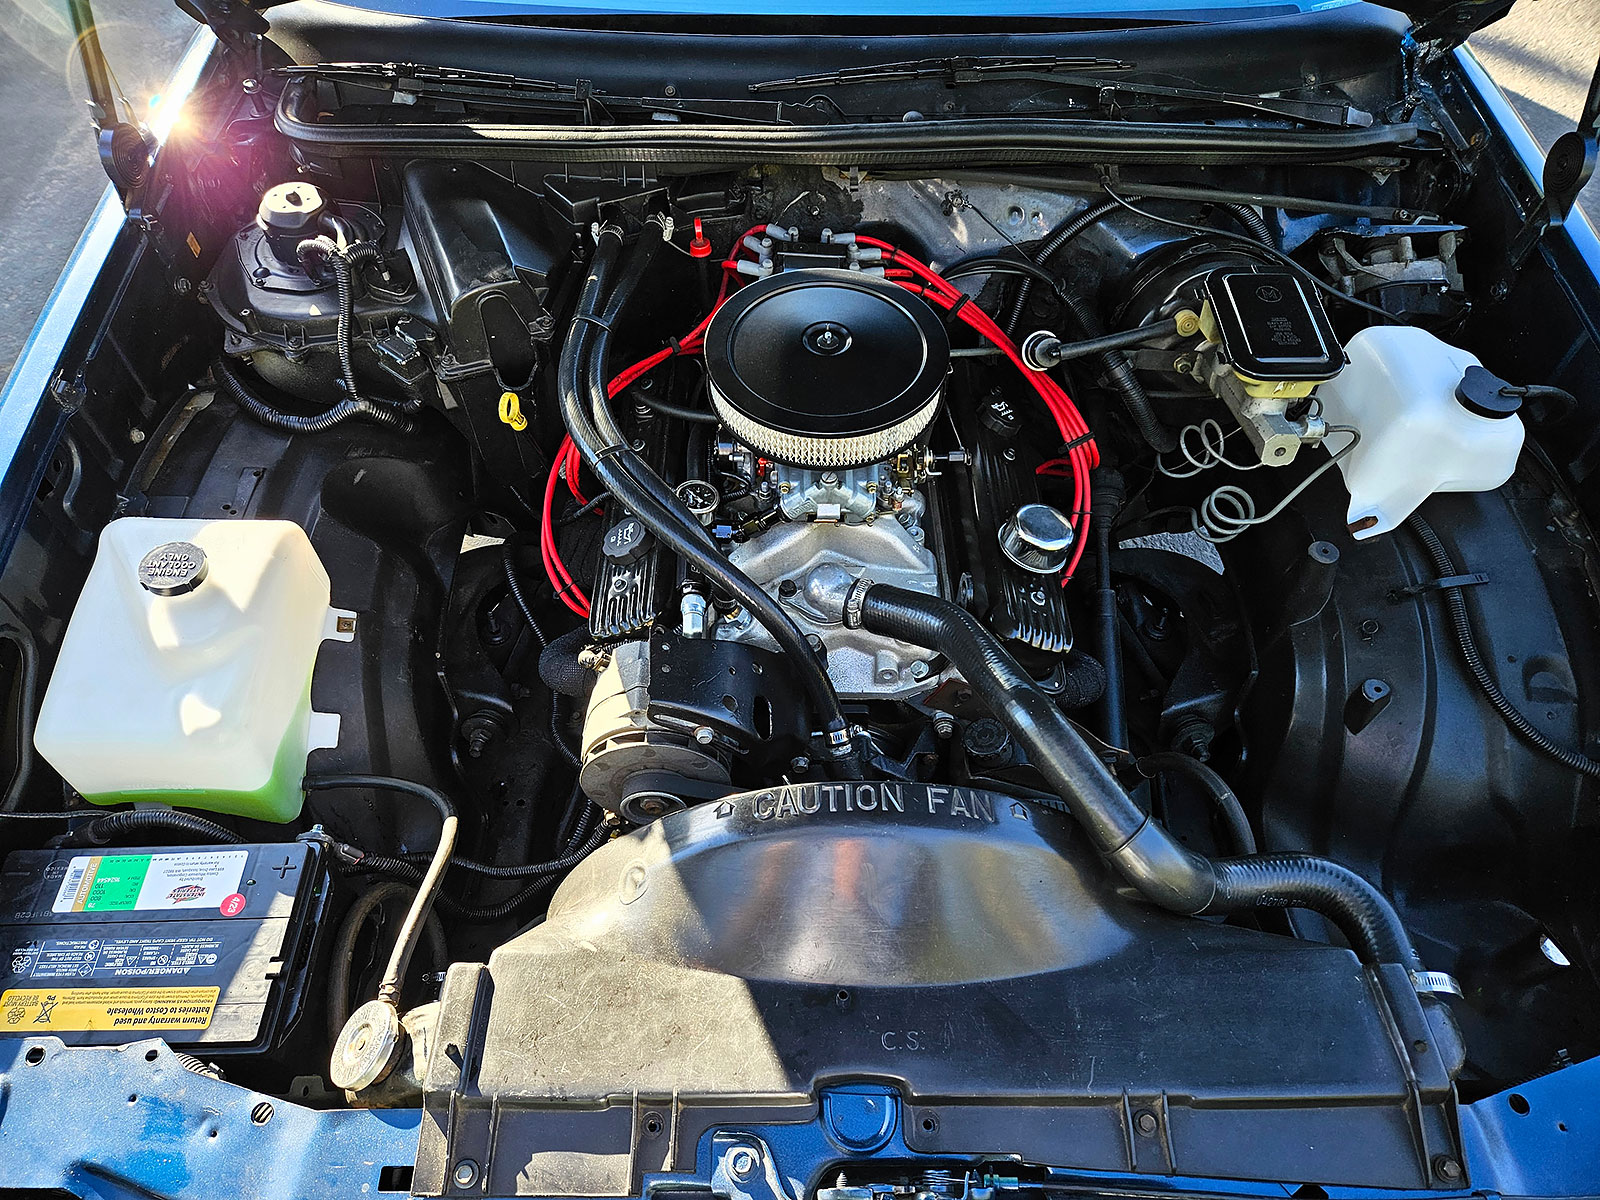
x=419, y=79
x=949, y=70
x=1310, y=112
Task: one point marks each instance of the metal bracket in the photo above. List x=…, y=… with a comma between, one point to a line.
x=743, y=1169
x=1567, y=168
x=1437, y=585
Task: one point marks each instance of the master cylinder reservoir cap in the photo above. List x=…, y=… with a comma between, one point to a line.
x=173, y=569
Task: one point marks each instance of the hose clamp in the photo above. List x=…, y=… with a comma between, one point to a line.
x=1435, y=983
x=853, y=600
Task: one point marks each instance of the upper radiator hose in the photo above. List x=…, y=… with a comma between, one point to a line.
x=1140, y=848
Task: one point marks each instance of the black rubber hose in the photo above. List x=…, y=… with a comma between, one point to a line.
x=1461, y=625
x=1250, y=220
x=1141, y=849
x=677, y=530
x=634, y=271
x=341, y=966
x=1172, y=762
x=240, y=392
x=430, y=881
x=102, y=831
x=1046, y=250
x=666, y=408
x=1119, y=374
x=1359, y=911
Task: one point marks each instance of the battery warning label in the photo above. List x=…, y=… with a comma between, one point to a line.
x=134, y=882
x=37, y=1010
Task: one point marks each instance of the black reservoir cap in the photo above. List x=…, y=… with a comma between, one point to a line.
x=1272, y=326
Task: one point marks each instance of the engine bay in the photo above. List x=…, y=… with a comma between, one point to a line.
x=984, y=660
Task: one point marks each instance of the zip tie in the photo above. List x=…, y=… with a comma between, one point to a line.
x=1081, y=440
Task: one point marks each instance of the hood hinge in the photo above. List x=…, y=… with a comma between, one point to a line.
x=235, y=22
x=125, y=145
x=1567, y=168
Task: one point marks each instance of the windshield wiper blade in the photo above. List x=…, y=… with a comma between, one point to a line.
x=949, y=70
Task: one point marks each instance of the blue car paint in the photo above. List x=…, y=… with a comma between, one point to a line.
x=1111, y=10
x=123, y=1122
x=120, y=1122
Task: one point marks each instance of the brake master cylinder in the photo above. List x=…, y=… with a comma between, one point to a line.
x=185, y=673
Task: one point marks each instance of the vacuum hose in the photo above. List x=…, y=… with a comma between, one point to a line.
x=1141, y=849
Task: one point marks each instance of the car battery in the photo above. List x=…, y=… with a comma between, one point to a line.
x=203, y=946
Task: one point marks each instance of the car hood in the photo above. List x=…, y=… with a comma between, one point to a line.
x=1448, y=22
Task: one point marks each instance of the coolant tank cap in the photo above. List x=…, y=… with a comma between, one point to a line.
x=173, y=569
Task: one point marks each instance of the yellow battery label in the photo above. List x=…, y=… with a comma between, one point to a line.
x=41, y=1010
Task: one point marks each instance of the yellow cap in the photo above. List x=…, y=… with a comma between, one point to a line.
x=511, y=411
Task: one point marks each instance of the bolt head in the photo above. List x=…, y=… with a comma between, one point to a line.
x=704, y=735
x=741, y=1162
x=466, y=1173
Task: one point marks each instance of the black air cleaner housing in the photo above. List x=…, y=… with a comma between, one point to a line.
x=826, y=368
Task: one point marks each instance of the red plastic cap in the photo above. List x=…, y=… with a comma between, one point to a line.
x=700, y=244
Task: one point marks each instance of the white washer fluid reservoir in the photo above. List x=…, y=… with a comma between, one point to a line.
x=1417, y=436
x=185, y=673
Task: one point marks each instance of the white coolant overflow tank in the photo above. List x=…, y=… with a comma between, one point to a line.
x=1422, y=431
x=185, y=673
